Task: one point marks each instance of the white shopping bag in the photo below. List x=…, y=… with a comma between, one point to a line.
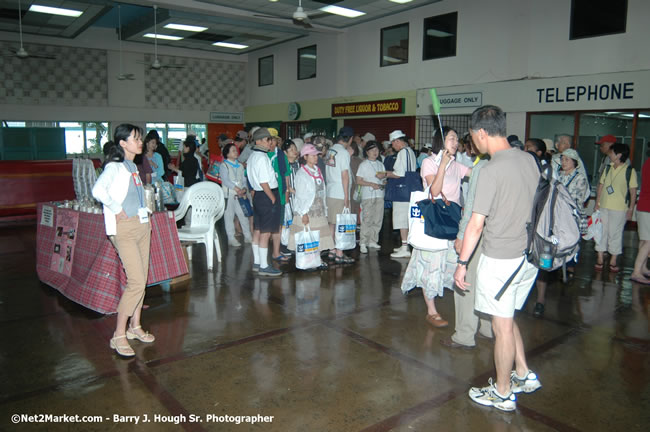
x=594, y=227
x=307, y=254
x=179, y=186
x=416, y=237
x=286, y=224
x=346, y=230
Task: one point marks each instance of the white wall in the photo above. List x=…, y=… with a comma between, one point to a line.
x=498, y=40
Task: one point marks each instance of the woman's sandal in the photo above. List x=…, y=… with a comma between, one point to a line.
x=343, y=260
x=331, y=256
x=436, y=321
x=145, y=337
x=282, y=258
x=614, y=269
x=123, y=350
x=598, y=267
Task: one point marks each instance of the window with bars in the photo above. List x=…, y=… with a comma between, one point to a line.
x=427, y=124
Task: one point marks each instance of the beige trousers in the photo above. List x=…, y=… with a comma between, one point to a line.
x=467, y=319
x=372, y=216
x=613, y=226
x=132, y=242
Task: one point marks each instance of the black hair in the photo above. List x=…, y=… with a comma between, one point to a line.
x=491, y=119
x=151, y=135
x=438, y=139
x=226, y=150
x=288, y=143
x=540, y=146
x=122, y=133
x=107, y=147
x=191, y=144
x=369, y=146
x=622, y=149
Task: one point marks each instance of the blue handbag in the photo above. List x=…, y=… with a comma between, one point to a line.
x=399, y=190
x=441, y=218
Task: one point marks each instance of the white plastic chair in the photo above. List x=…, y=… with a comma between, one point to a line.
x=207, y=202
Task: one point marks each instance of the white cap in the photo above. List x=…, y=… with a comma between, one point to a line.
x=386, y=144
x=299, y=143
x=308, y=135
x=428, y=145
x=395, y=135
x=368, y=137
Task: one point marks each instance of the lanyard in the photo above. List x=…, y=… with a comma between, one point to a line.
x=611, y=183
x=137, y=182
x=317, y=178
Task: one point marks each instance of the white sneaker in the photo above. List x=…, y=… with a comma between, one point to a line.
x=374, y=245
x=527, y=384
x=234, y=242
x=248, y=240
x=402, y=252
x=488, y=396
x=363, y=249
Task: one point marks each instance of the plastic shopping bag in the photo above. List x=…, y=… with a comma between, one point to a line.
x=346, y=230
x=286, y=224
x=307, y=253
x=416, y=237
x=594, y=227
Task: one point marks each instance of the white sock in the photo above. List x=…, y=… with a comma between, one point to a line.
x=263, y=254
x=405, y=244
x=256, y=254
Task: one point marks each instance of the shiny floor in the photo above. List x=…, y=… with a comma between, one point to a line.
x=337, y=350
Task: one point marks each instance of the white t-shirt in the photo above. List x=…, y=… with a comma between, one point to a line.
x=259, y=170
x=400, y=167
x=367, y=171
x=337, y=161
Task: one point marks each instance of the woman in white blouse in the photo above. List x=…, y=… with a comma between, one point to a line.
x=370, y=177
x=309, y=203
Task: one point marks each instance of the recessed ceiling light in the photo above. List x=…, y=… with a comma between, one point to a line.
x=184, y=27
x=308, y=56
x=401, y=1
x=230, y=45
x=337, y=10
x=55, y=11
x=162, y=36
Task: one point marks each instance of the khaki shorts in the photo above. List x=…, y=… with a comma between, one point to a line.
x=492, y=273
x=643, y=223
x=400, y=215
x=334, y=207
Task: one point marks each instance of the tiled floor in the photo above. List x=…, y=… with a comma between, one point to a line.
x=339, y=350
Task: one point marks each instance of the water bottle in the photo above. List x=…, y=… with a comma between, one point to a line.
x=546, y=259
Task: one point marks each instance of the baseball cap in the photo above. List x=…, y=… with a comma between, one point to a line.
x=308, y=149
x=427, y=145
x=346, y=131
x=273, y=132
x=261, y=133
x=242, y=134
x=368, y=137
x=395, y=135
x=607, y=139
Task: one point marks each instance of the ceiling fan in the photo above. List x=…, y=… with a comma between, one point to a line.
x=21, y=53
x=122, y=76
x=300, y=17
x=156, y=65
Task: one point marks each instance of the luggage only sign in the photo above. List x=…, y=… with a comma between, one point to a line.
x=461, y=100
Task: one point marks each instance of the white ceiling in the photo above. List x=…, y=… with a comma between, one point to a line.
x=232, y=21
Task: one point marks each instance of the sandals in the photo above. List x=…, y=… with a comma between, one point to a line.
x=282, y=258
x=614, y=269
x=437, y=321
x=598, y=267
x=145, y=337
x=343, y=260
x=331, y=256
x=123, y=350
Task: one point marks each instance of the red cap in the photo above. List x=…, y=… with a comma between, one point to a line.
x=607, y=139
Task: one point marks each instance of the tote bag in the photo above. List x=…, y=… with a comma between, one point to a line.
x=307, y=253
x=346, y=230
x=441, y=217
x=399, y=190
x=417, y=237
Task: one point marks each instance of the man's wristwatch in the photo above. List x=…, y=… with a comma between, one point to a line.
x=461, y=262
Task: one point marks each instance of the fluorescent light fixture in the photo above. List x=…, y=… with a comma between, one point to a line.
x=308, y=56
x=392, y=59
x=162, y=36
x=230, y=45
x=401, y=1
x=438, y=33
x=55, y=11
x=184, y=27
x=337, y=10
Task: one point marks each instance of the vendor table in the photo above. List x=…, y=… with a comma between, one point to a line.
x=75, y=256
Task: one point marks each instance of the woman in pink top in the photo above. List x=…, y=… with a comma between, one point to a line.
x=434, y=270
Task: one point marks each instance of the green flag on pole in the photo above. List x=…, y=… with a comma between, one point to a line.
x=435, y=101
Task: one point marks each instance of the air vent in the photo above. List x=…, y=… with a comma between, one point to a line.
x=208, y=37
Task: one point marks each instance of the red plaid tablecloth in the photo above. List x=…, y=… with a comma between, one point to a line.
x=98, y=279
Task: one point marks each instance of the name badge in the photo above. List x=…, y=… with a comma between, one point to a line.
x=143, y=214
x=610, y=189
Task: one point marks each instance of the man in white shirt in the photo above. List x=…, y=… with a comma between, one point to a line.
x=338, y=183
x=405, y=162
x=267, y=211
